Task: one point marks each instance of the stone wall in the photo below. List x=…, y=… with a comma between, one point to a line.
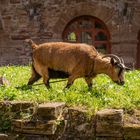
x=45, y=21
x=56, y=121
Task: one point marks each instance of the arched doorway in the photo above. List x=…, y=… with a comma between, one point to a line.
x=90, y=30
x=138, y=51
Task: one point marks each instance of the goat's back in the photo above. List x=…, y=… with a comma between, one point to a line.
x=64, y=56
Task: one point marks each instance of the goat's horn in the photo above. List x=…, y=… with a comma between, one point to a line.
x=112, y=56
x=127, y=68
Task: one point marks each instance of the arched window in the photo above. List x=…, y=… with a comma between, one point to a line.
x=90, y=30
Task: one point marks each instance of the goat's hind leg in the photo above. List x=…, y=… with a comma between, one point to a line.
x=46, y=81
x=35, y=77
x=45, y=77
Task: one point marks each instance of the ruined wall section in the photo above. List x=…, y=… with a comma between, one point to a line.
x=45, y=21
x=14, y=28
x=56, y=121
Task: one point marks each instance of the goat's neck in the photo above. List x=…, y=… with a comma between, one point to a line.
x=102, y=66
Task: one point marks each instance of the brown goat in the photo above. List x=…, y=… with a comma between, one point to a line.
x=72, y=61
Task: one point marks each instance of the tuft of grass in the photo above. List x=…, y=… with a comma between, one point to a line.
x=104, y=94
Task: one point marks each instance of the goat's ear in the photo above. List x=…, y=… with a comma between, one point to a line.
x=112, y=61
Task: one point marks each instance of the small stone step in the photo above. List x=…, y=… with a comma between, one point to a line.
x=34, y=127
x=50, y=111
x=137, y=114
x=108, y=138
x=32, y=137
x=3, y=137
x=109, y=123
x=132, y=131
x=16, y=106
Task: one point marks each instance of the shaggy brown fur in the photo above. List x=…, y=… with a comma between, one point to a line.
x=60, y=60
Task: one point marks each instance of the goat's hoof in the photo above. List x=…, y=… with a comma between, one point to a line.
x=47, y=86
x=68, y=86
x=90, y=87
x=29, y=83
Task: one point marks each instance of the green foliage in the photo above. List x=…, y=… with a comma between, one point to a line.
x=104, y=94
x=5, y=118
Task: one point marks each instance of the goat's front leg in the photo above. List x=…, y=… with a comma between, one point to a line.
x=89, y=82
x=35, y=77
x=71, y=80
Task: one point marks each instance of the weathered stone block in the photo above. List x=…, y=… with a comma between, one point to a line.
x=12, y=136
x=34, y=127
x=3, y=137
x=15, y=107
x=50, y=127
x=19, y=36
x=32, y=137
x=5, y=106
x=50, y=110
x=132, y=125
x=108, y=138
x=137, y=114
x=46, y=35
x=77, y=116
x=132, y=131
x=23, y=106
x=79, y=124
x=14, y=1
x=109, y=123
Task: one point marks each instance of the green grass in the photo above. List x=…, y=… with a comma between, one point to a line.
x=104, y=94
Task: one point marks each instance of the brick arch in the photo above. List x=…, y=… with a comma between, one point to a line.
x=90, y=30
x=91, y=9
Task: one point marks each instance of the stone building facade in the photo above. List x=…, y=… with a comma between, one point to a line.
x=112, y=26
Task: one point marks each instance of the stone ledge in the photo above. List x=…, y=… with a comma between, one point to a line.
x=14, y=1
x=109, y=123
x=110, y=115
x=50, y=121
x=49, y=111
x=16, y=106
x=19, y=36
x=35, y=127
x=32, y=137
x=132, y=131
x=3, y=137
x=108, y=138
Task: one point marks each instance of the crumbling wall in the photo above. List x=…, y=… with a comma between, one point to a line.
x=45, y=21
x=56, y=121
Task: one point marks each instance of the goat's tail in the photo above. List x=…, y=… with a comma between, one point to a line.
x=31, y=43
